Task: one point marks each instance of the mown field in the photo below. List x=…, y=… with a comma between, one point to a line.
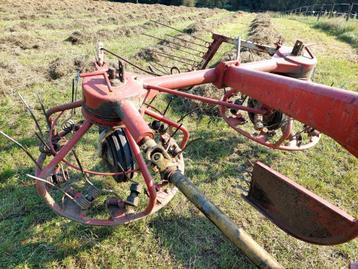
x=37, y=57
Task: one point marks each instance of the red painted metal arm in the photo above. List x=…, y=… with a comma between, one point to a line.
x=332, y=111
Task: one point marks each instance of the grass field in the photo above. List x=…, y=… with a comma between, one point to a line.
x=179, y=236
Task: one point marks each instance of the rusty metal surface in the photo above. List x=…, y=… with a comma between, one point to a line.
x=298, y=211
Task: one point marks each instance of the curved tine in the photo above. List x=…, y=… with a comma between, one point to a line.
x=43, y=110
x=22, y=147
x=31, y=113
x=55, y=186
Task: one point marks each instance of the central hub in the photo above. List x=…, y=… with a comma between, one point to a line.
x=102, y=99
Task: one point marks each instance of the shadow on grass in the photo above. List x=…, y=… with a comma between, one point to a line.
x=31, y=233
x=196, y=243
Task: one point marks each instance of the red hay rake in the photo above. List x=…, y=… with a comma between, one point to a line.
x=260, y=100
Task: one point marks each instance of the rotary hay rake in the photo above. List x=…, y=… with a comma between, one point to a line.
x=260, y=100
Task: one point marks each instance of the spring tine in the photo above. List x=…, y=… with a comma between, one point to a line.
x=43, y=110
x=196, y=54
x=31, y=113
x=187, y=145
x=167, y=55
x=55, y=186
x=187, y=114
x=172, y=135
x=128, y=62
x=43, y=142
x=151, y=68
x=163, y=67
x=81, y=168
x=169, y=41
x=180, y=31
x=73, y=91
x=76, y=80
x=167, y=107
x=187, y=41
x=177, y=60
x=22, y=147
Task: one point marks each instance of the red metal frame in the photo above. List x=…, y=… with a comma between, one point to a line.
x=330, y=110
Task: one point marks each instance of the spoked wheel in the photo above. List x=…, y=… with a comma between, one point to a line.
x=97, y=197
x=273, y=129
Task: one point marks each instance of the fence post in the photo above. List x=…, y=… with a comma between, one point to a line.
x=331, y=13
x=319, y=13
x=350, y=8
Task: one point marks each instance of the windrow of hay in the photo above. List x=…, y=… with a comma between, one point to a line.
x=262, y=32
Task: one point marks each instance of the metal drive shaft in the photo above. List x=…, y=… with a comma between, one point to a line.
x=238, y=236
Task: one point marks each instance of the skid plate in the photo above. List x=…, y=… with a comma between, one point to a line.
x=298, y=211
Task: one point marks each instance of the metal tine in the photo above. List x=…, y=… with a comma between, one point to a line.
x=172, y=135
x=187, y=145
x=180, y=31
x=187, y=41
x=81, y=168
x=54, y=185
x=32, y=114
x=187, y=52
x=168, y=41
x=152, y=68
x=187, y=114
x=43, y=110
x=163, y=67
x=167, y=55
x=128, y=62
x=167, y=107
x=43, y=142
x=22, y=147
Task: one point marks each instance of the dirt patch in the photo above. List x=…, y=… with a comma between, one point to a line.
x=78, y=37
x=62, y=67
x=22, y=41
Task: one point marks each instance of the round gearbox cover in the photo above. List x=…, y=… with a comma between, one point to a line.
x=115, y=151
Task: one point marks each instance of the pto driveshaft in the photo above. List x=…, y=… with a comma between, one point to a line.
x=238, y=236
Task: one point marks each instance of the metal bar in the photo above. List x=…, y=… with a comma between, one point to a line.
x=159, y=117
x=204, y=99
x=151, y=66
x=65, y=149
x=180, y=31
x=272, y=89
x=236, y=235
x=145, y=172
x=43, y=110
x=128, y=62
x=187, y=41
x=22, y=147
x=172, y=42
x=186, y=52
x=32, y=114
x=176, y=57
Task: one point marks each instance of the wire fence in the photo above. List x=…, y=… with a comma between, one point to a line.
x=346, y=10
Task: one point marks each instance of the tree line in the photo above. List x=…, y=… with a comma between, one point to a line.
x=250, y=5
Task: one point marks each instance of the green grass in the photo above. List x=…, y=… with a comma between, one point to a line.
x=179, y=236
x=346, y=31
